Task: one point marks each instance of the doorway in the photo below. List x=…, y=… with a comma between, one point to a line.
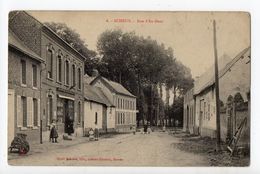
x=69, y=116
x=201, y=115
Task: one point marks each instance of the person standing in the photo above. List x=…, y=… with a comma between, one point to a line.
x=176, y=124
x=96, y=132
x=53, y=134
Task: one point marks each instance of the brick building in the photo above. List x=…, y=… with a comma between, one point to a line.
x=62, y=93
x=23, y=90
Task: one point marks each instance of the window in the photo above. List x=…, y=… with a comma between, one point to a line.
x=204, y=110
x=208, y=111
x=73, y=75
x=96, y=118
x=50, y=111
x=34, y=75
x=50, y=63
x=23, y=63
x=59, y=68
x=67, y=72
x=79, y=78
x=35, y=112
x=24, y=110
x=79, y=111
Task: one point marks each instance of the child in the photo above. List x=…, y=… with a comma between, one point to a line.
x=53, y=133
x=91, y=134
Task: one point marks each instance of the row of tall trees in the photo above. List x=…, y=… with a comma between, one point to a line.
x=142, y=65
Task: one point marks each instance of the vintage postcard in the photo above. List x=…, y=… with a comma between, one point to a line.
x=107, y=88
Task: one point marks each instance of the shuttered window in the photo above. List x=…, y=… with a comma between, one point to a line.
x=35, y=112
x=19, y=112
x=39, y=111
x=24, y=111
x=29, y=111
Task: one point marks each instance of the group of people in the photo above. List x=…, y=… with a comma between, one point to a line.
x=94, y=134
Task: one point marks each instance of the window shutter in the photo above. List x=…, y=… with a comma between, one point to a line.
x=39, y=111
x=29, y=112
x=19, y=112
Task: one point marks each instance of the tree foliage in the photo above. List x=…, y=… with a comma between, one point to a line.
x=141, y=64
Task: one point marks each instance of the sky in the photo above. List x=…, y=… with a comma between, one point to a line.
x=190, y=34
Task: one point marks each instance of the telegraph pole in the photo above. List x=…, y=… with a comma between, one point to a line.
x=216, y=86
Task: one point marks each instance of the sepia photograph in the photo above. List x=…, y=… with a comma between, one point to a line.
x=129, y=88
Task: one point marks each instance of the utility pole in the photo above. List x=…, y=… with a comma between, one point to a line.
x=216, y=86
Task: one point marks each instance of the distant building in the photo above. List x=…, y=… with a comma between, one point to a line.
x=234, y=92
x=23, y=90
x=122, y=99
x=98, y=110
x=61, y=74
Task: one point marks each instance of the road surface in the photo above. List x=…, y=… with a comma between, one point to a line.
x=155, y=149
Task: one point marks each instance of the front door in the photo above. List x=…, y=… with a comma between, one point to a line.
x=201, y=115
x=69, y=116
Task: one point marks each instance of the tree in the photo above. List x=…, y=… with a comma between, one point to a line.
x=141, y=64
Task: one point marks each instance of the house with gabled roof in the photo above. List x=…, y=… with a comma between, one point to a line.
x=234, y=93
x=23, y=90
x=234, y=84
x=120, y=97
x=98, y=110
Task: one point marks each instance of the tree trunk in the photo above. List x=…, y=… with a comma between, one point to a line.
x=167, y=105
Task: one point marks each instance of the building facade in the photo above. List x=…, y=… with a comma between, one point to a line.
x=234, y=93
x=122, y=99
x=61, y=76
x=98, y=110
x=23, y=90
